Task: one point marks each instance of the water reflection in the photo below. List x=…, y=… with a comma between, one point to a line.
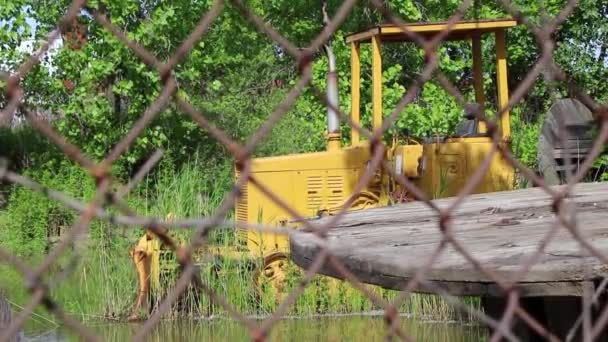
x=352, y=328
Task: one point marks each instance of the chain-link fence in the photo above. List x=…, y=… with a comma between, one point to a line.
x=110, y=194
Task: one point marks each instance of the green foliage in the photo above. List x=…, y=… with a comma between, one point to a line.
x=34, y=222
x=24, y=147
x=237, y=83
x=525, y=140
x=189, y=191
x=602, y=164
x=26, y=230
x=435, y=113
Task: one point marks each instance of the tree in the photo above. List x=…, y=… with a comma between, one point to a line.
x=237, y=75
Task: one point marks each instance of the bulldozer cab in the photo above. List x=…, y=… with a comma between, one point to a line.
x=471, y=31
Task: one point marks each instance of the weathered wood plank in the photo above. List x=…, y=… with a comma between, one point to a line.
x=386, y=246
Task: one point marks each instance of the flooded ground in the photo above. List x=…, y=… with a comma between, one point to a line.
x=349, y=328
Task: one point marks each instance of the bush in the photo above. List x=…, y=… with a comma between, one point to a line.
x=525, y=138
x=35, y=222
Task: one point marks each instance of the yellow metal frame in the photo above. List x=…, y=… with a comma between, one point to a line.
x=457, y=30
x=480, y=96
x=376, y=83
x=501, y=83
x=355, y=90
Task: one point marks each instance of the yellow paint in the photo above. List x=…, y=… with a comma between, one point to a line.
x=309, y=183
x=333, y=141
x=470, y=26
x=501, y=80
x=462, y=28
x=406, y=160
x=355, y=90
x=148, y=248
x=478, y=77
x=145, y=256
x=313, y=183
x=376, y=83
x=450, y=165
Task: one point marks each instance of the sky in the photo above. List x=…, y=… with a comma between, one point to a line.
x=28, y=45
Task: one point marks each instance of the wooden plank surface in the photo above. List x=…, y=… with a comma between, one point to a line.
x=386, y=246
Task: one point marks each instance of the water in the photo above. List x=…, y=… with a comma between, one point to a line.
x=350, y=328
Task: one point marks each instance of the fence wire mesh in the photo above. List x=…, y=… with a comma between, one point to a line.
x=110, y=193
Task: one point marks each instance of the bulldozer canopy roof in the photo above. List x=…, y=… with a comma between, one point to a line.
x=458, y=31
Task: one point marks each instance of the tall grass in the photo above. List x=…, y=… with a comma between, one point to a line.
x=103, y=282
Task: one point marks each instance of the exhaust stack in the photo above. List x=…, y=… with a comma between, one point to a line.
x=333, y=120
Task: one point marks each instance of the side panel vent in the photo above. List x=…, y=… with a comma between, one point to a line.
x=242, y=213
x=314, y=195
x=335, y=188
x=241, y=209
x=323, y=192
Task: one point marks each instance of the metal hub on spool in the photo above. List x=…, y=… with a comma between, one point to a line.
x=565, y=140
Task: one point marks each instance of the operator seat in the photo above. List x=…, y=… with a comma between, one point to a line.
x=469, y=126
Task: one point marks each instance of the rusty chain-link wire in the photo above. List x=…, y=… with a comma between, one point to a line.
x=106, y=183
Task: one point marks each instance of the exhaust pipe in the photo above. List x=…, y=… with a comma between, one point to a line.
x=333, y=120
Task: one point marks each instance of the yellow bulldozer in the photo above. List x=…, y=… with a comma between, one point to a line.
x=319, y=183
